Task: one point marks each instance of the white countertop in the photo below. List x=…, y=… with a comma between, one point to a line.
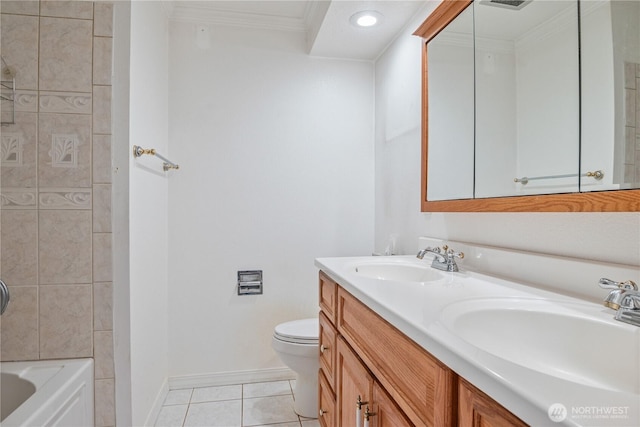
x=416, y=309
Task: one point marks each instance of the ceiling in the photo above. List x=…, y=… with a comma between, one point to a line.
x=325, y=22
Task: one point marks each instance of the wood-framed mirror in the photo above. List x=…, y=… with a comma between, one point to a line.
x=624, y=200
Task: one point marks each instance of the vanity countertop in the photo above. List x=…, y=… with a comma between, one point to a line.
x=530, y=390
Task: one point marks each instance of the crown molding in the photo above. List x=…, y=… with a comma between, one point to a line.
x=204, y=13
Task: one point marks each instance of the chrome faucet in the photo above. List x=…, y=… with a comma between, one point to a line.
x=625, y=298
x=4, y=297
x=445, y=258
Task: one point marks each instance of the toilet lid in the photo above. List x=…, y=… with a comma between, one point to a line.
x=303, y=331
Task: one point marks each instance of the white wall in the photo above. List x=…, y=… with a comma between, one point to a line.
x=148, y=214
x=276, y=169
x=609, y=237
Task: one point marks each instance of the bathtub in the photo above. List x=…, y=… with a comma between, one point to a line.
x=46, y=393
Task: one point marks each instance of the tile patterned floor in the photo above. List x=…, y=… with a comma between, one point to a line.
x=243, y=405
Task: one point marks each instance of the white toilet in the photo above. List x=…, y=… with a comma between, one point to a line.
x=296, y=343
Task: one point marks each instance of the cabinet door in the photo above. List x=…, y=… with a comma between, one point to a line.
x=477, y=409
x=327, y=349
x=326, y=403
x=353, y=382
x=386, y=412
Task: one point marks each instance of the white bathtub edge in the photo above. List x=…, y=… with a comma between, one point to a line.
x=54, y=397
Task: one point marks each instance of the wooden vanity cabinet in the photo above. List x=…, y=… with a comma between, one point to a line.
x=363, y=356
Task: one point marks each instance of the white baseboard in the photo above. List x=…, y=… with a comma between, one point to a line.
x=229, y=378
x=157, y=404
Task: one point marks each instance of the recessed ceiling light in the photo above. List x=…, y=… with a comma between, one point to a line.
x=366, y=18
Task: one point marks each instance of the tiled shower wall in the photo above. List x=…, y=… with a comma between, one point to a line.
x=55, y=187
x=632, y=123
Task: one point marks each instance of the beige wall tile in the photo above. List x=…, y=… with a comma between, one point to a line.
x=65, y=321
x=20, y=48
x=65, y=247
x=102, y=306
x=19, y=147
x=630, y=107
x=65, y=102
x=20, y=325
x=103, y=354
x=630, y=144
x=64, y=150
x=102, y=257
x=102, y=60
x=66, y=54
x=102, y=159
x=103, y=19
x=105, y=413
x=19, y=245
x=102, y=208
x=67, y=9
x=102, y=109
x=629, y=75
x=21, y=7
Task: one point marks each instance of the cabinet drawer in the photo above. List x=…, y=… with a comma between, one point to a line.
x=423, y=388
x=328, y=350
x=326, y=403
x=328, y=294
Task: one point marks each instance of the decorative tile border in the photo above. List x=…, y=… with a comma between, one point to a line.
x=65, y=102
x=65, y=198
x=27, y=101
x=18, y=198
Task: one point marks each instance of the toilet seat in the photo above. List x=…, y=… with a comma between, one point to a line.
x=303, y=331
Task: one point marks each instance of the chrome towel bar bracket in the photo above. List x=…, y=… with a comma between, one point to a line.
x=166, y=165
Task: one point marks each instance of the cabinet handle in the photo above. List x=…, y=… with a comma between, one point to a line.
x=367, y=414
x=322, y=412
x=323, y=348
x=359, y=404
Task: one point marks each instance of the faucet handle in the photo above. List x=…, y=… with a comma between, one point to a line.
x=451, y=253
x=612, y=284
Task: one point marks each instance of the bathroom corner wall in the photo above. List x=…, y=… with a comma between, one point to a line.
x=56, y=188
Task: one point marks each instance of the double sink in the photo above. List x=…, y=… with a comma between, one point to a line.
x=541, y=345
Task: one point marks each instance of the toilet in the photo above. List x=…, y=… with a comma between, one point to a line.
x=296, y=343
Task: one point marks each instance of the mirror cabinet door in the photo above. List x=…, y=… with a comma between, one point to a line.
x=610, y=55
x=450, y=116
x=527, y=98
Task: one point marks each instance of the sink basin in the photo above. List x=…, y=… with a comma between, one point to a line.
x=572, y=341
x=398, y=271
